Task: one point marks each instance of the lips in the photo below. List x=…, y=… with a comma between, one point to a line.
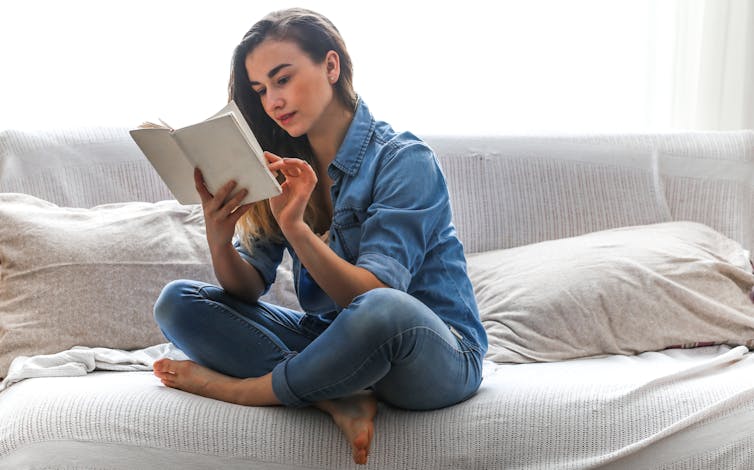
x=285, y=118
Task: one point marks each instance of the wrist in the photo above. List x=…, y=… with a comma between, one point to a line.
x=219, y=249
x=296, y=231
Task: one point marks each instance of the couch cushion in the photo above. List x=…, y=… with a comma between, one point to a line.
x=89, y=277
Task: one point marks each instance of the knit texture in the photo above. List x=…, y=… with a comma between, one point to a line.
x=628, y=412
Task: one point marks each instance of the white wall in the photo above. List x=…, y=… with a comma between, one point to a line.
x=471, y=67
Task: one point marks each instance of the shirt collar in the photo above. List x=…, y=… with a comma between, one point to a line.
x=352, y=150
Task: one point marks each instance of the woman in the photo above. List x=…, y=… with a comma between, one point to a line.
x=389, y=312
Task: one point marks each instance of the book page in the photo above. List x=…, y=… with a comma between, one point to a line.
x=232, y=109
x=168, y=160
x=221, y=150
x=244, y=126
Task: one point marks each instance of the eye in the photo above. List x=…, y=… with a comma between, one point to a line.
x=283, y=80
x=260, y=91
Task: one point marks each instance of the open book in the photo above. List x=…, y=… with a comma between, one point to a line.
x=222, y=147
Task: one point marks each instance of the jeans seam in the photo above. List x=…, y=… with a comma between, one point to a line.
x=371, y=356
x=274, y=319
x=228, y=311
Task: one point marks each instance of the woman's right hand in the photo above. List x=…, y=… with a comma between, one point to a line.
x=220, y=218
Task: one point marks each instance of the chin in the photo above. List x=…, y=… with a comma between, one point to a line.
x=294, y=131
x=295, y=134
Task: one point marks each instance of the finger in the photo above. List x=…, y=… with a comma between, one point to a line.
x=290, y=166
x=296, y=162
x=222, y=194
x=201, y=188
x=284, y=167
x=271, y=157
x=293, y=172
x=239, y=212
x=302, y=165
x=276, y=166
x=297, y=167
x=234, y=202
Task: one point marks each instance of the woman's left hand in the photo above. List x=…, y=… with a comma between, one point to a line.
x=300, y=180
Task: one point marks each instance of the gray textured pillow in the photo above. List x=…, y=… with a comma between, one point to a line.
x=620, y=291
x=89, y=277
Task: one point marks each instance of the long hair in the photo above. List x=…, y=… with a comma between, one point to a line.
x=316, y=36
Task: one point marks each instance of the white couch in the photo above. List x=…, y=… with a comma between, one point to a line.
x=676, y=408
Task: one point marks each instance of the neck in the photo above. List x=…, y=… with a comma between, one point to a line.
x=327, y=136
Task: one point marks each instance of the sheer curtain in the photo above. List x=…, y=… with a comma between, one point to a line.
x=475, y=67
x=711, y=71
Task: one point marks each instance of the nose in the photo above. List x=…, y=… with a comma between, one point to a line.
x=272, y=101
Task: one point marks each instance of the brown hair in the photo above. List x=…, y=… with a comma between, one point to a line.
x=316, y=36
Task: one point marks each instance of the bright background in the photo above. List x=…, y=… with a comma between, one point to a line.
x=432, y=67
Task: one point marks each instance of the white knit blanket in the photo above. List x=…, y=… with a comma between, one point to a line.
x=81, y=360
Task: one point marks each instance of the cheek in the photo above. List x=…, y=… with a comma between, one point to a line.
x=319, y=89
x=265, y=104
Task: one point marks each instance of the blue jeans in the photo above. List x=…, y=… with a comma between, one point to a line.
x=385, y=340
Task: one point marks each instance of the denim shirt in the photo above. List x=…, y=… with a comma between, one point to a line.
x=392, y=217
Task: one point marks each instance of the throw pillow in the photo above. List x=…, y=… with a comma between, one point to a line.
x=89, y=277
x=619, y=291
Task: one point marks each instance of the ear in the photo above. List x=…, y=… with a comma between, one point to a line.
x=332, y=66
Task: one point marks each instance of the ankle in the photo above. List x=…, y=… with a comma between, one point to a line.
x=255, y=391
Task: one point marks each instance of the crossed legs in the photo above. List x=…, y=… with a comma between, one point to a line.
x=261, y=355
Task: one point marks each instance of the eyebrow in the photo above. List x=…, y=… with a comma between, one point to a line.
x=272, y=72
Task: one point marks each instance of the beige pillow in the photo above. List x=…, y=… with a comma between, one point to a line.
x=90, y=277
x=620, y=291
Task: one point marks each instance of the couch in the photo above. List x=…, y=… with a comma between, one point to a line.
x=88, y=232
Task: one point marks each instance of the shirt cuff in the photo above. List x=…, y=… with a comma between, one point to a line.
x=267, y=272
x=387, y=270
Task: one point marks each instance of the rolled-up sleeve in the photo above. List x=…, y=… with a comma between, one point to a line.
x=410, y=200
x=265, y=257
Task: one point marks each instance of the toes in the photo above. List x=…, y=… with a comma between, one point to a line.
x=162, y=370
x=361, y=448
x=180, y=367
x=168, y=383
x=361, y=441
x=161, y=365
x=360, y=457
x=163, y=375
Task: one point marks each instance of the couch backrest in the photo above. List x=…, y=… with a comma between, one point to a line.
x=506, y=191
x=80, y=167
x=514, y=190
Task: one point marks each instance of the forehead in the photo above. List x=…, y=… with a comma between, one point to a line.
x=269, y=54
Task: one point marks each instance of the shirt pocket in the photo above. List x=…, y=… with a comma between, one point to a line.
x=347, y=227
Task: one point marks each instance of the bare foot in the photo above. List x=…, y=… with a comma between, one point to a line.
x=194, y=378
x=354, y=415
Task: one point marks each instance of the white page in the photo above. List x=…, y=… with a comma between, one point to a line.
x=168, y=160
x=222, y=153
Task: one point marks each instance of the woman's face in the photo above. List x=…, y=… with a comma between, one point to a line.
x=295, y=92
